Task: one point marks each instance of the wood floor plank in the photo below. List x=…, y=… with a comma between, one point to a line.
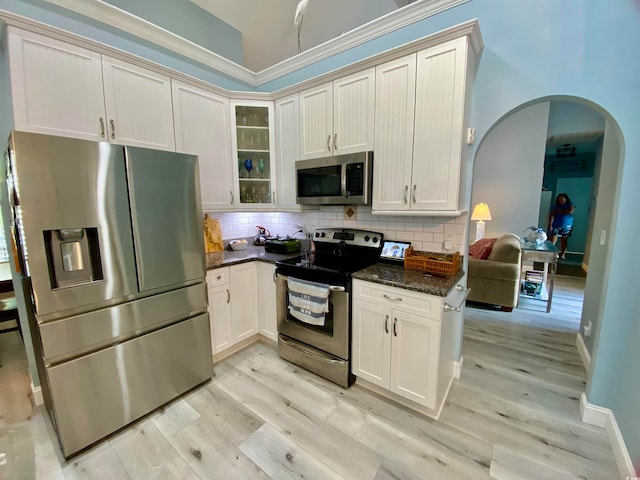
x=410, y=454
x=99, y=463
x=389, y=471
x=281, y=458
x=174, y=417
x=144, y=452
x=340, y=453
x=508, y=465
x=212, y=455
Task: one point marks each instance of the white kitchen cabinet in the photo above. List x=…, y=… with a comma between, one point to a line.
x=61, y=89
x=337, y=117
x=393, y=145
x=219, y=309
x=138, y=105
x=436, y=181
x=402, y=341
x=56, y=88
x=287, y=133
x=267, y=320
x=244, y=309
x=252, y=141
x=201, y=121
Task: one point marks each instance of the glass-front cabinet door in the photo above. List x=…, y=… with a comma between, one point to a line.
x=253, y=152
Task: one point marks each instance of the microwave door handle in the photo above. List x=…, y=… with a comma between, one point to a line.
x=343, y=182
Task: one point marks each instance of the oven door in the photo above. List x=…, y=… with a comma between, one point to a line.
x=332, y=337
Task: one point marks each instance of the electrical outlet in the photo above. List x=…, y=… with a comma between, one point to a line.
x=587, y=329
x=603, y=237
x=448, y=241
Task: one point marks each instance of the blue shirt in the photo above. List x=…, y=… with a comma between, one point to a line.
x=561, y=219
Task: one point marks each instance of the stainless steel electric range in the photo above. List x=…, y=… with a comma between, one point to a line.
x=323, y=346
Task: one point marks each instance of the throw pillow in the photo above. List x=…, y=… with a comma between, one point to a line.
x=482, y=248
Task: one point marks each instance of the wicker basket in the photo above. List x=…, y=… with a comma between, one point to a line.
x=438, y=263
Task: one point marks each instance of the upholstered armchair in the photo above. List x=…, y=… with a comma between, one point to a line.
x=494, y=277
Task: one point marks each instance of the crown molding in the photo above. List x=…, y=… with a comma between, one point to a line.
x=402, y=17
x=470, y=29
x=123, y=20
x=110, y=15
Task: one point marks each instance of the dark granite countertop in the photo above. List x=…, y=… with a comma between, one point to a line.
x=399, y=277
x=251, y=254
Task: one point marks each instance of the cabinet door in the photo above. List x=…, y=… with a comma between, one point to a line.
x=220, y=317
x=287, y=130
x=243, y=301
x=201, y=122
x=316, y=122
x=138, y=105
x=371, y=343
x=252, y=150
x=437, y=147
x=267, y=321
x=414, y=357
x=395, y=101
x=56, y=88
x=353, y=110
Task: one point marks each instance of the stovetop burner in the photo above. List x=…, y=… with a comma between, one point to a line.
x=338, y=253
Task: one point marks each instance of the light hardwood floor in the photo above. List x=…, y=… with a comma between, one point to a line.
x=512, y=415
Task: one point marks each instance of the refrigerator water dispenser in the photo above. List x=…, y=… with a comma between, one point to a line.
x=73, y=256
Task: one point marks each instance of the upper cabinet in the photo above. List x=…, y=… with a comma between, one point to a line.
x=252, y=150
x=61, y=89
x=201, y=121
x=287, y=132
x=337, y=117
x=138, y=105
x=422, y=106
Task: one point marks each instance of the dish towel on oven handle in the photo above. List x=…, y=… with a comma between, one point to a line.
x=308, y=301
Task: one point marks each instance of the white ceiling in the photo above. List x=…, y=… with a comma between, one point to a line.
x=269, y=35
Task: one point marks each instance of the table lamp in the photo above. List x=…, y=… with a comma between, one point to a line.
x=480, y=213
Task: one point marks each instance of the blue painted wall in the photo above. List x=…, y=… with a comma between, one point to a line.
x=189, y=21
x=62, y=18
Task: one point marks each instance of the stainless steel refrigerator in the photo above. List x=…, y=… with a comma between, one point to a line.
x=109, y=245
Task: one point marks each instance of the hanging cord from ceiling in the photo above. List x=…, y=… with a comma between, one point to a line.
x=299, y=17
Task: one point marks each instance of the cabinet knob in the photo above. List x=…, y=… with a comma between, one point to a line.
x=406, y=192
x=335, y=141
x=415, y=187
x=395, y=321
x=228, y=296
x=231, y=193
x=218, y=277
x=102, y=131
x=113, y=128
x=386, y=324
x=329, y=143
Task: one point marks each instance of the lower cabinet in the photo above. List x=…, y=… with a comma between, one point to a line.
x=235, y=293
x=267, y=321
x=399, y=343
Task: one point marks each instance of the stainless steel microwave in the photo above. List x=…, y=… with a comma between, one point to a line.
x=338, y=180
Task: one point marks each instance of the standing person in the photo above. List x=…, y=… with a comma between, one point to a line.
x=561, y=222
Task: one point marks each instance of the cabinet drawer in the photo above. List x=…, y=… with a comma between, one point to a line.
x=218, y=276
x=398, y=298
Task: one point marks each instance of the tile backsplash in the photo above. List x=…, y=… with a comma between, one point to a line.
x=425, y=233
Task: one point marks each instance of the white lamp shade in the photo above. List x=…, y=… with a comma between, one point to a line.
x=481, y=212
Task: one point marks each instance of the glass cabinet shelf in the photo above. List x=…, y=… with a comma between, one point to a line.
x=253, y=152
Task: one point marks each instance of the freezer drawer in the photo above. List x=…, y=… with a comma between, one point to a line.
x=79, y=334
x=96, y=395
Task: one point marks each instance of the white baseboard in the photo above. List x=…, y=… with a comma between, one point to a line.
x=604, y=417
x=36, y=392
x=585, y=356
x=457, y=368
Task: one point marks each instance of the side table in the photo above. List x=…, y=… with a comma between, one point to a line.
x=546, y=253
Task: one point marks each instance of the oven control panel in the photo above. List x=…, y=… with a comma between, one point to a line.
x=356, y=238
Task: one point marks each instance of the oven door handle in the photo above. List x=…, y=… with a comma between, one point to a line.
x=336, y=288
x=310, y=353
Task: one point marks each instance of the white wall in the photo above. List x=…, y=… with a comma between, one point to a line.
x=508, y=171
x=571, y=117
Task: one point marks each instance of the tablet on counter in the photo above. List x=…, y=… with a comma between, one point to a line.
x=394, y=251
